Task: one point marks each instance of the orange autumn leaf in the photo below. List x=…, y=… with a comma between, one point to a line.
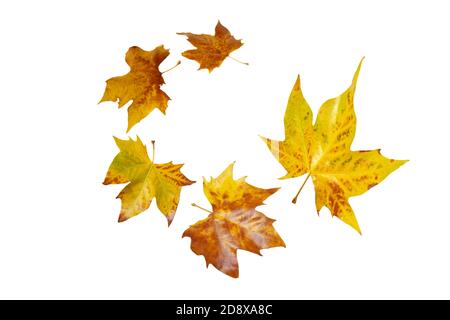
x=142, y=84
x=211, y=50
x=147, y=180
x=234, y=223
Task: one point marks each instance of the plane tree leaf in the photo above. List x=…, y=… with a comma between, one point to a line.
x=323, y=151
x=142, y=85
x=146, y=180
x=211, y=50
x=234, y=223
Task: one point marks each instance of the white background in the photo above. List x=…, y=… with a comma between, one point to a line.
x=59, y=236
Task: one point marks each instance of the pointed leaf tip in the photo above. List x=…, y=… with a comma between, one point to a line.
x=297, y=84
x=356, y=75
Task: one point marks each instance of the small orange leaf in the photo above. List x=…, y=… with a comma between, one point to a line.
x=233, y=224
x=142, y=84
x=211, y=50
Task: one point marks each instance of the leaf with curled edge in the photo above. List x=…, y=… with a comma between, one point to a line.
x=323, y=151
x=147, y=180
x=142, y=84
x=234, y=223
x=211, y=50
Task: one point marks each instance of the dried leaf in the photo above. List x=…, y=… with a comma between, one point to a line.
x=142, y=84
x=233, y=224
x=147, y=180
x=211, y=50
x=323, y=151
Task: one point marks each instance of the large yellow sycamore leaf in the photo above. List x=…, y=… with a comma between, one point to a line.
x=147, y=180
x=323, y=151
x=211, y=50
x=234, y=223
x=142, y=84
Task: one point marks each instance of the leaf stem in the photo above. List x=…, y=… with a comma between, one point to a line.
x=195, y=205
x=246, y=63
x=178, y=63
x=153, y=151
x=301, y=188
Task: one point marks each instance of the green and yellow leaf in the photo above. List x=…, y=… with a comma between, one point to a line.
x=147, y=180
x=323, y=152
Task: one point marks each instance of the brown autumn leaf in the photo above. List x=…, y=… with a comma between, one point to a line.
x=211, y=50
x=234, y=223
x=147, y=180
x=142, y=84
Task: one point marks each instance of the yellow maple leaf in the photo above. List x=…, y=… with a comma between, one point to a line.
x=323, y=151
x=142, y=84
x=234, y=223
x=147, y=180
x=212, y=50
